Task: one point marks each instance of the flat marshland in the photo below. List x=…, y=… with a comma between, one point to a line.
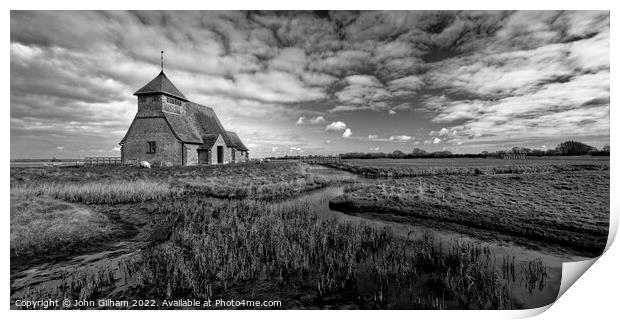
x=265, y=232
x=469, y=166
x=570, y=209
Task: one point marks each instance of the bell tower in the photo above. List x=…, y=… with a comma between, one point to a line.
x=160, y=95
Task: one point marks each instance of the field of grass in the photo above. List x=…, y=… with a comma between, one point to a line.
x=566, y=208
x=123, y=184
x=469, y=166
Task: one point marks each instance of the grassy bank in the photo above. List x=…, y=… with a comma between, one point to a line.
x=567, y=208
x=44, y=226
x=121, y=184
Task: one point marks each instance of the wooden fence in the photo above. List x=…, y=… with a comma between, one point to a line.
x=102, y=161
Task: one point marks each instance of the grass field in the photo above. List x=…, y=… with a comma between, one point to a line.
x=570, y=209
x=226, y=234
x=469, y=166
x=123, y=184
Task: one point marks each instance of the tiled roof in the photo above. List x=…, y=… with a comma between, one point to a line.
x=236, y=141
x=161, y=84
x=208, y=141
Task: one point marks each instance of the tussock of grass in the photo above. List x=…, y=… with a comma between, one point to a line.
x=47, y=226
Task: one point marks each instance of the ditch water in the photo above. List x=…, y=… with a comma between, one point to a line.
x=522, y=295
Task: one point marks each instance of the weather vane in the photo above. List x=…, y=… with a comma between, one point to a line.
x=162, y=61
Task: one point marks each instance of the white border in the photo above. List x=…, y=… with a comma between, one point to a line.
x=592, y=296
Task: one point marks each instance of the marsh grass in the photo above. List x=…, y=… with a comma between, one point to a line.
x=219, y=245
x=98, y=192
x=234, y=182
x=85, y=284
x=40, y=225
x=266, y=190
x=409, y=169
x=570, y=209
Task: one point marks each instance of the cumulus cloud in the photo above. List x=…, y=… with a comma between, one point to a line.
x=436, y=140
x=405, y=86
x=300, y=121
x=347, y=133
x=317, y=120
x=441, y=133
x=372, y=137
x=336, y=126
x=391, y=112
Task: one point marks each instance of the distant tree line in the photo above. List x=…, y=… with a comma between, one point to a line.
x=567, y=148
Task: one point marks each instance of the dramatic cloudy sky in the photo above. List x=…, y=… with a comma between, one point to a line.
x=316, y=83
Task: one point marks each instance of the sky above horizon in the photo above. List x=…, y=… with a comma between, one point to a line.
x=316, y=82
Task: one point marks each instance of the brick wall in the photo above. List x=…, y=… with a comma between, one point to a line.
x=153, y=105
x=168, y=148
x=219, y=142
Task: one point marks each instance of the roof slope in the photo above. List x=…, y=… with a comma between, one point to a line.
x=236, y=141
x=205, y=121
x=161, y=84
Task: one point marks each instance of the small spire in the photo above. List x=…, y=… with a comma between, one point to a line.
x=162, y=61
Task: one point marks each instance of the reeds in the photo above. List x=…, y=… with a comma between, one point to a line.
x=85, y=284
x=534, y=274
x=218, y=245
